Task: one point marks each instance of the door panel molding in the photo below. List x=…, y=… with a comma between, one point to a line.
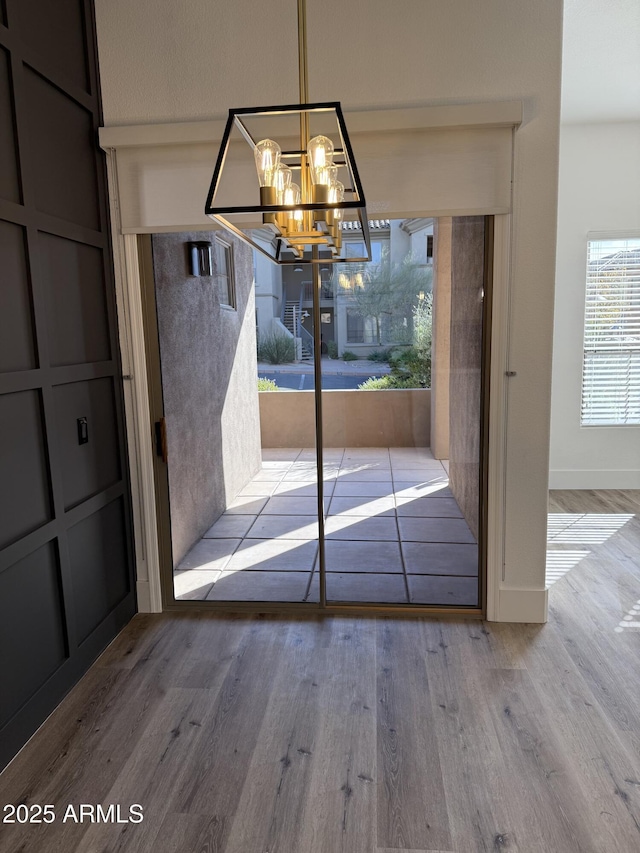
x=69, y=297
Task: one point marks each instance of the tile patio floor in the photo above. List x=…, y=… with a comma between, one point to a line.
x=393, y=533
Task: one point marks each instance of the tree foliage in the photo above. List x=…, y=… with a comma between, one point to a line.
x=276, y=349
x=387, y=293
x=410, y=366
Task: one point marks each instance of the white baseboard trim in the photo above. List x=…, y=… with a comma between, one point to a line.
x=594, y=479
x=522, y=605
x=143, y=592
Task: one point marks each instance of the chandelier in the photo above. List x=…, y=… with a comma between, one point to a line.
x=351, y=283
x=285, y=178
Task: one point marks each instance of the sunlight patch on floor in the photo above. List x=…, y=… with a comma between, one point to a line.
x=630, y=619
x=590, y=528
x=561, y=562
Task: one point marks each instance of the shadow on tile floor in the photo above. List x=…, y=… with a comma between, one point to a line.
x=394, y=534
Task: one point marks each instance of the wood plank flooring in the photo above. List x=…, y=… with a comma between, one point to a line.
x=348, y=734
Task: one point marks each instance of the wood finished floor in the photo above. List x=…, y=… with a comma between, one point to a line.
x=248, y=734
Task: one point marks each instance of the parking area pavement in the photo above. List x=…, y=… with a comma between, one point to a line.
x=336, y=374
x=306, y=381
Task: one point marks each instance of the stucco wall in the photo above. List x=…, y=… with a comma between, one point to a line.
x=599, y=191
x=208, y=355
x=441, y=340
x=467, y=274
x=268, y=292
x=392, y=418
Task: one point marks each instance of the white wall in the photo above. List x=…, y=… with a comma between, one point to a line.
x=599, y=190
x=399, y=242
x=418, y=244
x=601, y=61
x=195, y=60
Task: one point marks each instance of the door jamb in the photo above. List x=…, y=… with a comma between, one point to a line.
x=495, y=471
x=136, y=400
x=138, y=415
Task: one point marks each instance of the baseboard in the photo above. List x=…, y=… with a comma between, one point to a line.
x=594, y=479
x=143, y=592
x=522, y=605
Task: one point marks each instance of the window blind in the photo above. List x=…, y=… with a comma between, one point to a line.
x=611, y=361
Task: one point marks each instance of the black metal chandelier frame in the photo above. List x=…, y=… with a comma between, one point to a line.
x=295, y=160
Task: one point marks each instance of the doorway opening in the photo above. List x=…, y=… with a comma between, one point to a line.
x=402, y=460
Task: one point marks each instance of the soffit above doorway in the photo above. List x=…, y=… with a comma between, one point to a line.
x=413, y=162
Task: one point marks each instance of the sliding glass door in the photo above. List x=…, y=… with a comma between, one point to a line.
x=356, y=476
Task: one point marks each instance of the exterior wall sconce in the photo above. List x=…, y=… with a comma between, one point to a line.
x=200, y=262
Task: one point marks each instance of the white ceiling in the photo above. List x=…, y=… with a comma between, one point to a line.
x=601, y=61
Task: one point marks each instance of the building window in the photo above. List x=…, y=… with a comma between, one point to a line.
x=355, y=327
x=224, y=273
x=611, y=362
x=429, y=248
x=360, y=330
x=355, y=249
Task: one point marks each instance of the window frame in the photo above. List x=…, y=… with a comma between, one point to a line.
x=228, y=276
x=368, y=328
x=626, y=293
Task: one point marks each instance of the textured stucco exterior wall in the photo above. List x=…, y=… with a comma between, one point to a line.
x=391, y=418
x=441, y=341
x=467, y=274
x=208, y=356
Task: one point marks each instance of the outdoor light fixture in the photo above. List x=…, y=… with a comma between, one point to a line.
x=200, y=257
x=307, y=180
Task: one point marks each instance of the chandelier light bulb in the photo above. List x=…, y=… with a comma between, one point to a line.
x=326, y=175
x=336, y=191
x=291, y=199
x=336, y=195
x=291, y=195
x=267, y=154
x=320, y=154
x=282, y=181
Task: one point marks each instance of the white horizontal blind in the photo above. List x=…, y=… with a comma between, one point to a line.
x=611, y=364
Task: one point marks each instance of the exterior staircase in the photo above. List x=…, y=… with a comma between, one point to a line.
x=291, y=320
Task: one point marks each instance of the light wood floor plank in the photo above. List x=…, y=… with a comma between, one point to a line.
x=405, y=850
x=541, y=774
x=411, y=805
x=232, y=724
x=271, y=807
x=362, y=734
x=340, y=809
x=478, y=790
x=601, y=762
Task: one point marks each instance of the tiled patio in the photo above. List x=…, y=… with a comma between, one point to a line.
x=393, y=533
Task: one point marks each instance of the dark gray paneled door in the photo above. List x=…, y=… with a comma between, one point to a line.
x=66, y=564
